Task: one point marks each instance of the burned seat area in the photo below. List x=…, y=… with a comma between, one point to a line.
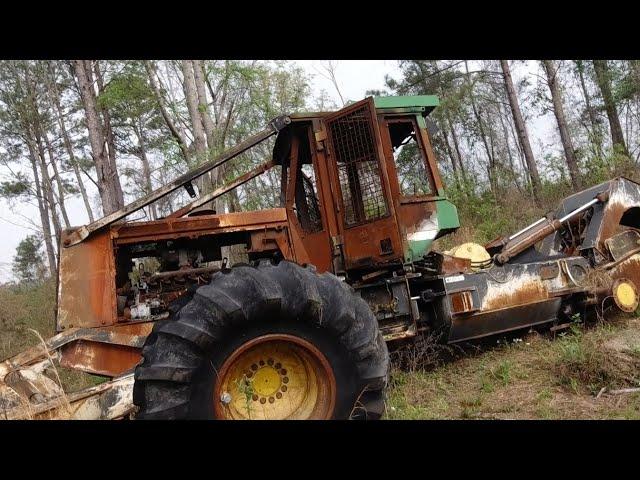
x=293, y=150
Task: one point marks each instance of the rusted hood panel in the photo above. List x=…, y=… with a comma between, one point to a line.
x=227, y=222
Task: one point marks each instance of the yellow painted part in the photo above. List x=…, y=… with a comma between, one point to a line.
x=472, y=251
x=626, y=294
x=266, y=381
x=272, y=381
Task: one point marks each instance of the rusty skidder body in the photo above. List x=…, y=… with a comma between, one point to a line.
x=342, y=265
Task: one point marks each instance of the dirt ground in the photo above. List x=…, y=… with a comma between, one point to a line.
x=572, y=375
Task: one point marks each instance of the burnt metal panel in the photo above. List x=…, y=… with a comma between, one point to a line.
x=507, y=297
x=390, y=301
x=169, y=228
x=109, y=351
x=86, y=283
x=621, y=244
x=624, y=195
x=363, y=223
x=500, y=321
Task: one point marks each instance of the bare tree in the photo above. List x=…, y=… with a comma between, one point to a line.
x=601, y=68
x=108, y=181
x=330, y=69
x=595, y=135
x=44, y=211
x=523, y=136
x=54, y=97
x=551, y=70
x=162, y=104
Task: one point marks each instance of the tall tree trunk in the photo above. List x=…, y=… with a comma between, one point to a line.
x=523, y=136
x=447, y=147
x=47, y=188
x=56, y=173
x=558, y=109
x=34, y=130
x=217, y=174
x=601, y=68
x=177, y=135
x=203, y=106
x=146, y=170
x=108, y=181
x=44, y=213
x=505, y=132
x=483, y=136
x=456, y=145
x=191, y=96
x=55, y=98
x=106, y=117
x=200, y=139
x=596, y=136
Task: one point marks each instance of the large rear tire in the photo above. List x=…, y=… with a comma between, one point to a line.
x=266, y=341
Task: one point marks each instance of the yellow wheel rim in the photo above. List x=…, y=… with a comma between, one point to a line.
x=275, y=377
x=625, y=295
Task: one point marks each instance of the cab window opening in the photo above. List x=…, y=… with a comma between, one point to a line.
x=306, y=205
x=413, y=177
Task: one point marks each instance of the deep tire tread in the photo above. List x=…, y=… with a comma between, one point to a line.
x=241, y=296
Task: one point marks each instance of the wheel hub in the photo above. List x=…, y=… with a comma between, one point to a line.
x=275, y=376
x=625, y=295
x=267, y=381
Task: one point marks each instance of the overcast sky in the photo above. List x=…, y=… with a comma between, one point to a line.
x=354, y=77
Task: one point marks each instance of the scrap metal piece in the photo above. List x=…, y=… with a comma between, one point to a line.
x=107, y=401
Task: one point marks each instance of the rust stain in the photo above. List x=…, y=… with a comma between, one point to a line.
x=99, y=358
x=629, y=269
x=86, y=285
x=526, y=292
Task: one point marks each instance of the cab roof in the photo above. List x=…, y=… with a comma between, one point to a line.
x=410, y=103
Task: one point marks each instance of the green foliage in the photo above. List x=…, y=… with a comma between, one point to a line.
x=614, y=163
x=28, y=263
x=502, y=372
x=128, y=94
x=15, y=189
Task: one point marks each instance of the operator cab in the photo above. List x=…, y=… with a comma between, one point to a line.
x=362, y=184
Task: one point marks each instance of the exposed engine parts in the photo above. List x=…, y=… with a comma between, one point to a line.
x=155, y=282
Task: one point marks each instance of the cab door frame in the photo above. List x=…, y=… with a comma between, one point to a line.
x=366, y=242
x=309, y=247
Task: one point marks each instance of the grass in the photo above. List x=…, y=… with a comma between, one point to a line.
x=538, y=377
x=25, y=309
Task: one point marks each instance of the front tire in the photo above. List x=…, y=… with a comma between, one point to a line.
x=265, y=342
